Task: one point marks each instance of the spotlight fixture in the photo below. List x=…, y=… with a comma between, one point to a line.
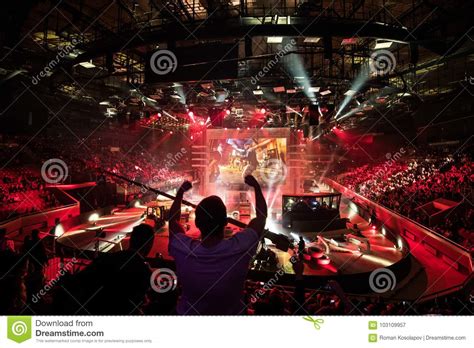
x=382, y=44
x=350, y=92
x=87, y=65
x=349, y=41
x=311, y=39
x=93, y=218
x=274, y=39
x=58, y=230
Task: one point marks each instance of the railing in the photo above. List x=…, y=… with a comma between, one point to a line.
x=267, y=12
x=442, y=247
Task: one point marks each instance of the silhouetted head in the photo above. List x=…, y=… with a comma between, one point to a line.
x=35, y=234
x=142, y=238
x=211, y=217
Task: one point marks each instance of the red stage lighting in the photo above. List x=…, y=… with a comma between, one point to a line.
x=227, y=112
x=262, y=110
x=191, y=114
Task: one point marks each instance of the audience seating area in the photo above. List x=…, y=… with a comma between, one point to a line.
x=409, y=184
x=22, y=191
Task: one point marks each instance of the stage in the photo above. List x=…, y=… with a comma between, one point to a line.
x=344, y=258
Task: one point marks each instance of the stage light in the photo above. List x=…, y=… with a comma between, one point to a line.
x=258, y=92
x=356, y=87
x=311, y=39
x=262, y=110
x=349, y=41
x=314, y=89
x=350, y=92
x=274, y=39
x=227, y=112
x=58, y=230
x=294, y=236
x=171, y=132
x=326, y=92
x=382, y=45
x=94, y=217
x=87, y=65
x=201, y=123
x=400, y=243
x=191, y=114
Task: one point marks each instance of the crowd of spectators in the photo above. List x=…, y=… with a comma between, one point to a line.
x=406, y=186
x=22, y=191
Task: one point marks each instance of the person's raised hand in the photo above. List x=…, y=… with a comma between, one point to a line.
x=186, y=186
x=251, y=181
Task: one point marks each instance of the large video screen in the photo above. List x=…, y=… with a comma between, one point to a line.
x=232, y=159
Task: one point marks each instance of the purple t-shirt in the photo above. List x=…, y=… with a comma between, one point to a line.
x=212, y=279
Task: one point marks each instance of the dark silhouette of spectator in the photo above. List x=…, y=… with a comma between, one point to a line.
x=36, y=259
x=301, y=246
x=12, y=283
x=212, y=271
x=5, y=243
x=114, y=283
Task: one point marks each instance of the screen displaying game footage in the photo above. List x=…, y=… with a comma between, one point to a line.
x=232, y=159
